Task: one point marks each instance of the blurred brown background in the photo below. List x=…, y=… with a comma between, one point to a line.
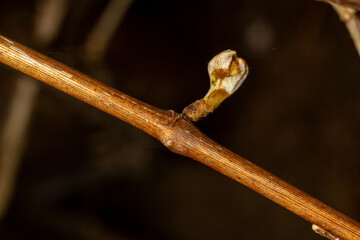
x=86, y=175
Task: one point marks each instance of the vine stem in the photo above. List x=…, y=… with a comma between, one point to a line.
x=178, y=134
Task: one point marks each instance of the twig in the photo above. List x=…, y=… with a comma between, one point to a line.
x=346, y=3
x=347, y=13
x=178, y=134
x=13, y=137
x=100, y=36
x=352, y=22
x=48, y=19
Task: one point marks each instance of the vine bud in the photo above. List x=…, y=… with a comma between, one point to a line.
x=227, y=72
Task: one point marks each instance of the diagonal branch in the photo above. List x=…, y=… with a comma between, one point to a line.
x=178, y=134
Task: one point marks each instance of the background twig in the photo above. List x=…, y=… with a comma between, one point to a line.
x=13, y=137
x=345, y=3
x=348, y=14
x=48, y=20
x=352, y=22
x=99, y=37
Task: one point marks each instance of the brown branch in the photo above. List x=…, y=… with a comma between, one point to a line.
x=355, y=4
x=178, y=134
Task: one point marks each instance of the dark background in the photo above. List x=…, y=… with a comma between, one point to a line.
x=86, y=175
